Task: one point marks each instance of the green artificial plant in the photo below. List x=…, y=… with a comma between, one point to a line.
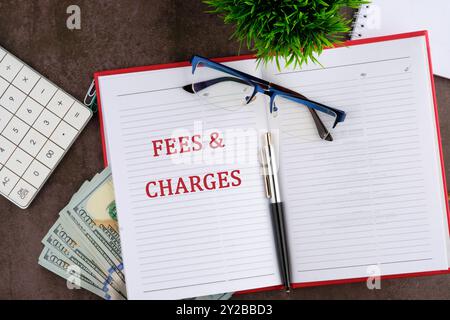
x=296, y=30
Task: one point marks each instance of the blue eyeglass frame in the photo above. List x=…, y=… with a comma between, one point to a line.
x=267, y=88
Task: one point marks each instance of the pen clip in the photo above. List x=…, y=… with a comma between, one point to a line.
x=265, y=165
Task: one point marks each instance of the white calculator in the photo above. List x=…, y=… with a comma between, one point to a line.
x=38, y=124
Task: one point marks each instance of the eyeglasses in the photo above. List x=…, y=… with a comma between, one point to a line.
x=230, y=89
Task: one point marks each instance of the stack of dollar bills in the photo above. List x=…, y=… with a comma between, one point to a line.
x=83, y=246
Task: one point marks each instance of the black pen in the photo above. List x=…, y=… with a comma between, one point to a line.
x=276, y=207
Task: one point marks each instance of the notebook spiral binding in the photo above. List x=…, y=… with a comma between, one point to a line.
x=359, y=22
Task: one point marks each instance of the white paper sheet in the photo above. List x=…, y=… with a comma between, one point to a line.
x=385, y=17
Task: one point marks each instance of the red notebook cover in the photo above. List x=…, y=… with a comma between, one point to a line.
x=244, y=57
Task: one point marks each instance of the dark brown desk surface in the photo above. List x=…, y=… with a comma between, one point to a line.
x=117, y=34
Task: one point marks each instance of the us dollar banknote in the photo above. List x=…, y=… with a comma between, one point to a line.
x=63, y=241
x=55, y=264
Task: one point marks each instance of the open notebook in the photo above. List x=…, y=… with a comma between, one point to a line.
x=373, y=199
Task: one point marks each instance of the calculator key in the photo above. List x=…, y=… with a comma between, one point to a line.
x=26, y=79
x=78, y=115
x=7, y=180
x=19, y=161
x=16, y=130
x=43, y=91
x=6, y=149
x=36, y=174
x=5, y=116
x=2, y=54
x=46, y=123
x=60, y=103
x=29, y=111
x=10, y=67
x=50, y=154
x=12, y=99
x=3, y=86
x=33, y=142
x=22, y=193
x=64, y=135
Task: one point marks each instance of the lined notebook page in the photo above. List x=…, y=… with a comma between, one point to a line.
x=371, y=201
x=190, y=244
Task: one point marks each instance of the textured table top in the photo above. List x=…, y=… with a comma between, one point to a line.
x=118, y=34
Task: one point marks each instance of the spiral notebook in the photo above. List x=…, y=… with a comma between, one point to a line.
x=372, y=202
x=384, y=17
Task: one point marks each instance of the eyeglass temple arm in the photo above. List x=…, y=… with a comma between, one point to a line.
x=321, y=129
